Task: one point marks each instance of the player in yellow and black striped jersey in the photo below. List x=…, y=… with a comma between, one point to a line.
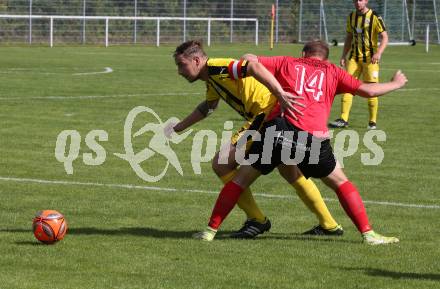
x=226, y=79
x=251, y=99
x=364, y=26
x=365, y=29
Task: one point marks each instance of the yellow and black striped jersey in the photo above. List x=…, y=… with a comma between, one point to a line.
x=365, y=29
x=228, y=81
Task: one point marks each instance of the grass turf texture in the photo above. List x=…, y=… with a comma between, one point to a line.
x=140, y=238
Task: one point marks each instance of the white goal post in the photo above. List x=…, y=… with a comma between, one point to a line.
x=405, y=20
x=51, y=19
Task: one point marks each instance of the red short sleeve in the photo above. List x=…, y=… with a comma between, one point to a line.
x=271, y=63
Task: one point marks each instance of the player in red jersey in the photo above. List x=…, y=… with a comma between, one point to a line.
x=317, y=81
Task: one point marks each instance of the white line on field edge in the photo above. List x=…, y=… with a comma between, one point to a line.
x=35, y=71
x=106, y=70
x=409, y=69
x=99, y=96
x=418, y=89
x=163, y=189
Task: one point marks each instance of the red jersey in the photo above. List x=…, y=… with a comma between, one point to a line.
x=317, y=81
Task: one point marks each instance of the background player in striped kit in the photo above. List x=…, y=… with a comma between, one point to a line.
x=364, y=27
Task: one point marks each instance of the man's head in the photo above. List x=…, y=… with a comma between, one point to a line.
x=361, y=5
x=190, y=59
x=317, y=49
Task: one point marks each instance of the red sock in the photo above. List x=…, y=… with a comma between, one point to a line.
x=226, y=201
x=352, y=203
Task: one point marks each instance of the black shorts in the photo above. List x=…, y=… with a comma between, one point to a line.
x=281, y=142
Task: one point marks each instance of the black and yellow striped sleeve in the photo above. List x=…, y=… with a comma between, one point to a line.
x=218, y=66
x=379, y=24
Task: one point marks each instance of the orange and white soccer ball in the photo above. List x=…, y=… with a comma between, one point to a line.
x=49, y=226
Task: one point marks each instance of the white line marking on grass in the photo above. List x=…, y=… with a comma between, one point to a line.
x=409, y=69
x=418, y=89
x=98, y=96
x=33, y=70
x=106, y=70
x=163, y=189
x=17, y=69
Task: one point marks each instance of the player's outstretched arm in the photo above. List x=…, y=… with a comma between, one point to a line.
x=203, y=110
x=286, y=99
x=376, y=89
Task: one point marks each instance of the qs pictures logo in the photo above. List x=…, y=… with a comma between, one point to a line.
x=203, y=149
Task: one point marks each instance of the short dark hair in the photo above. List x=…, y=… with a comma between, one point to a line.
x=316, y=48
x=189, y=48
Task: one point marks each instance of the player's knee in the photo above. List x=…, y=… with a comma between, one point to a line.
x=220, y=168
x=216, y=167
x=289, y=173
x=215, y=164
x=335, y=179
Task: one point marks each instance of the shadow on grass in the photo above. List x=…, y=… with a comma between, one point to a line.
x=134, y=231
x=221, y=235
x=308, y=238
x=169, y=234
x=16, y=230
x=29, y=243
x=397, y=275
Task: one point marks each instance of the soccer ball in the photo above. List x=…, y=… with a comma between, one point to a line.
x=49, y=226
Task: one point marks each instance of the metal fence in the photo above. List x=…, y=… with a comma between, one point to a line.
x=295, y=21
x=119, y=20
x=405, y=19
x=123, y=31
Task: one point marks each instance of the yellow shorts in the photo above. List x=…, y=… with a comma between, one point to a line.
x=369, y=71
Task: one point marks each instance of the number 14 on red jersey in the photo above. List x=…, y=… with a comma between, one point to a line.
x=313, y=84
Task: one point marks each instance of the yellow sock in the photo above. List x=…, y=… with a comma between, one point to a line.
x=347, y=100
x=246, y=202
x=373, y=105
x=310, y=195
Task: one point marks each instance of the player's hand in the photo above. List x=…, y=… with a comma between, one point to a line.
x=342, y=62
x=399, y=78
x=168, y=130
x=288, y=102
x=376, y=58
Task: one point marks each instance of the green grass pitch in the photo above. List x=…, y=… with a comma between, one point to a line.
x=123, y=236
